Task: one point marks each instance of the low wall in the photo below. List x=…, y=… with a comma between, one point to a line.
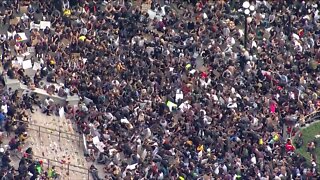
x=15, y=84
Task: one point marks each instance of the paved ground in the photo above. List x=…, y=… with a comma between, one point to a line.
x=59, y=151
x=50, y=150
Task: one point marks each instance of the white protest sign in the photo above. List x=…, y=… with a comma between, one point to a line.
x=36, y=66
x=192, y=71
x=44, y=24
x=152, y=14
x=20, y=60
x=61, y=112
x=132, y=166
x=100, y=146
x=23, y=36
x=34, y=26
x=95, y=140
x=179, y=95
x=27, y=64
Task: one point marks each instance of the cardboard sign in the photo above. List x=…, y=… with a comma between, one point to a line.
x=65, y=42
x=23, y=9
x=75, y=56
x=14, y=21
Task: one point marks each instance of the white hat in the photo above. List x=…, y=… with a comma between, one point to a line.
x=1, y=150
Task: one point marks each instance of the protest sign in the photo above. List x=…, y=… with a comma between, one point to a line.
x=27, y=64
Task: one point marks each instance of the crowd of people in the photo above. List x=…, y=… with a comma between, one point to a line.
x=14, y=119
x=174, y=91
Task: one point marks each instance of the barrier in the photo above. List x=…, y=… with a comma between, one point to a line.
x=15, y=84
x=67, y=167
x=53, y=132
x=314, y=116
x=64, y=167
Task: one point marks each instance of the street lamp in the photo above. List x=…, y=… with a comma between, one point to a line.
x=248, y=10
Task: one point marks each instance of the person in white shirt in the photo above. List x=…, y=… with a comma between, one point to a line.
x=4, y=108
x=47, y=105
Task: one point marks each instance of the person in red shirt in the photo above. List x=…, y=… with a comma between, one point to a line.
x=289, y=146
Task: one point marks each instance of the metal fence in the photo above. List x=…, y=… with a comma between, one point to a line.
x=53, y=132
x=65, y=168
x=62, y=169
x=314, y=116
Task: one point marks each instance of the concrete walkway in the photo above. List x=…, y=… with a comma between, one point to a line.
x=63, y=150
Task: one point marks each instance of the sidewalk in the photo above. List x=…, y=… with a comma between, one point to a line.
x=46, y=144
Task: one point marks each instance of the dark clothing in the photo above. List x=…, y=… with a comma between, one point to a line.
x=5, y=161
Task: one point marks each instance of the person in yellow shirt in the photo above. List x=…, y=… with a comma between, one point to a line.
x=23, y=137
x=67, y=12
x=52, y=174
x=82, y=38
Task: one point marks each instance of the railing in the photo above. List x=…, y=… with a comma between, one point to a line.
x=68, y=167
x=312, y=117
x=54, y=132
x=64, y=167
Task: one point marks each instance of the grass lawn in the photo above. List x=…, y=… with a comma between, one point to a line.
x=308, y=134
